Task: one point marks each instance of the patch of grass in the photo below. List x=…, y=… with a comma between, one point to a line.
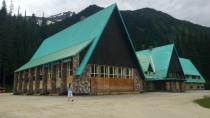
x=204, y=102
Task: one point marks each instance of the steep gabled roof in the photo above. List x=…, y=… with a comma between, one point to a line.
x=76, y=37
x=159, y=58
x=95, y=42
x=190, y=69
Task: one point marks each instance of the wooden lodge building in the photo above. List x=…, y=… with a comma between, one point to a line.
x=162, y=69
x=165, y=71
x=95, y=55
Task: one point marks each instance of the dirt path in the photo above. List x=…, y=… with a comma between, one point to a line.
x=146, y=105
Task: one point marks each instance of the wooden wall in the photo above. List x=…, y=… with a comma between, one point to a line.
x=101, y=85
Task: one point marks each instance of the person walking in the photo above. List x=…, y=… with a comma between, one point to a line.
x=70, y=94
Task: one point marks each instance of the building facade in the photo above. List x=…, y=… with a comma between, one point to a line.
x=165, y=71
x=95, y=56
x=162, y=69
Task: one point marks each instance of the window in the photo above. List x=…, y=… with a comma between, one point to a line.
x=120, y=72
x=69, y=68
x=58, y=71
x=124, y=72
x=116, y=73
x=49, y=73
x=111, y=71
x=107, y=71
x=197, y=77
x=102, y=73
x=92, y=70
x=98, y=71
x=35, y=72
x=41, y=71
x=130, y=73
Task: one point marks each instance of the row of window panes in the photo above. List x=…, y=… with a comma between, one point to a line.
x=58, y=70
x=174, y=74
x=149, y=73
x=110, y=71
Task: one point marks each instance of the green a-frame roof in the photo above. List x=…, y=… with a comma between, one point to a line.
x=159, y=59
x=71, y=40
x=74, y=39
x=190, y=69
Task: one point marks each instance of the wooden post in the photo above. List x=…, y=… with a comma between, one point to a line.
x=44, y=81
x=20, y=82
x=63, y=77
x=30, y=78
x=75, y=83
x=34, y=79
x=75, y=63
x=53, y=79
x=25, y=81
x=15, y=83
x=37, y=80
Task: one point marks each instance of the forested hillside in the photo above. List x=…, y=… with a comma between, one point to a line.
x=20, y=36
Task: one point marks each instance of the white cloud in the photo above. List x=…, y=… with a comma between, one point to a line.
x=196, y=11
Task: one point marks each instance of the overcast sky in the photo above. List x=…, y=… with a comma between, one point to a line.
x=196, y=11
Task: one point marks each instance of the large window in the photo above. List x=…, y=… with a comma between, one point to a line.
x=102, y=73
x=149, y=73
x=92, y=70
x=58, y=71
x=117, y=73
x=69, y=68
x=97, y=73
x=49, y=72
x=110, y=71
x=130, y=74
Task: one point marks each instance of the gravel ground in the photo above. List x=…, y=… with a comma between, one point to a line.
x=146, y=105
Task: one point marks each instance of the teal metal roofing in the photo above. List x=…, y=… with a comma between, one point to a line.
x=159, y=58
x=88, y=29
x=92, y=47
x=190, y=69
x=61, y=54
x=145, y=62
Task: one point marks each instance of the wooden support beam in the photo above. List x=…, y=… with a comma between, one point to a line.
x=44, y=81
x=15, y=83
x=30, y=81
x=20, y=82
x=24, y=82
x=37, y=80
x=63, y=77
x=53, y=79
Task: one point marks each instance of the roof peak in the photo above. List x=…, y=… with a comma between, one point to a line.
x=72, y=35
